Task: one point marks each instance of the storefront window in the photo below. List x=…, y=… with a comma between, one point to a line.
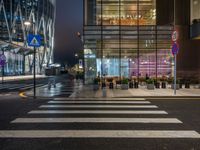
x=195, y=11
x=126, y=12
x=129, y=43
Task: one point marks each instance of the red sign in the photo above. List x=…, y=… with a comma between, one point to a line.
x=175, y=36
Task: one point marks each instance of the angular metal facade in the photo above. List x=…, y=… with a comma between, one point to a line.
x=13, y=14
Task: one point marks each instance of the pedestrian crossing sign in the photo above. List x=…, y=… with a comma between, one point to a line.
x=34, y=40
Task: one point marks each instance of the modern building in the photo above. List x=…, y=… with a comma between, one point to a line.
x=188, y=25
x=123, y=38
x=14, y=32
x=132, y=38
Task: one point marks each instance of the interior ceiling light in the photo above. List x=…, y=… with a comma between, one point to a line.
x=195, y=2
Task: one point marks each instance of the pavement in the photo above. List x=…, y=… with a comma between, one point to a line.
x=142, y=91
x=21, y=83
x=17, y=78
x=64, y=87
x=76, y=89
x=97, y=123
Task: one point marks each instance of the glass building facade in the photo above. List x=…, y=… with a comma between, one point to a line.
x=13, y=34
x=122, y=39
x=195, y=11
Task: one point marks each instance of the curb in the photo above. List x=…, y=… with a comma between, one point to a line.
x=24, y=95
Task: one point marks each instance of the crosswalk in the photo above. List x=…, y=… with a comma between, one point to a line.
x=99, y=118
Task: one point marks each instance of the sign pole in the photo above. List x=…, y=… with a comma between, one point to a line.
x=34, y=41
x=2, y=65
x=175, y=53
x=34, y=72
x=175, y=74
x=2, y=70
x=2, y=75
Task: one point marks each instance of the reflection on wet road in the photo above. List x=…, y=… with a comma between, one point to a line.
x=63, y=89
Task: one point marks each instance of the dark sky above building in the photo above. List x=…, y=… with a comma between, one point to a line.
x=69, y=21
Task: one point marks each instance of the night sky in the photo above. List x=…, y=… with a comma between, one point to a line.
x=69, y=21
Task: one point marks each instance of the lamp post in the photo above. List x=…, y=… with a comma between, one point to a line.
x=77, y=57
x=82, y=41
x=27, y=24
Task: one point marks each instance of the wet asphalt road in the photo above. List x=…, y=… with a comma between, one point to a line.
x=186, y=110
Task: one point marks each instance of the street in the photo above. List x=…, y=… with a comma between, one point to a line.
x=99, y=75
x=87, y=123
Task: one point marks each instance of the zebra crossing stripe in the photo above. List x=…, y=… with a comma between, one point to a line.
x=99, y=102
x=96, y=112
x=99, y=134
x=98, y=106
x=97, y=120
x=105, y=99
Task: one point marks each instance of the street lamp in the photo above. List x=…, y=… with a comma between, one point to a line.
x=76, y=55
x=27, y=24
x=78, y=34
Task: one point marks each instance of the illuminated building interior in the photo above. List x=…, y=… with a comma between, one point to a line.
x=121, y=39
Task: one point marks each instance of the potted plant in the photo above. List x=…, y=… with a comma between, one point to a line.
x=110, y=81
x=96, y=84
x=181, y=81
x=163, y=83
x=196, y=83
x=169, y=80
x=142, y=80
x=130, y=84
x=150, y=84
x=136, y=84
x=103, y=84
x=124, y=85
x=177, y=84
x=187, y=84
x=157, y=84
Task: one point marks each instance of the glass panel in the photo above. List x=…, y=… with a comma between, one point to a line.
x=147, y=12
x=122, y=48
x=195, y=11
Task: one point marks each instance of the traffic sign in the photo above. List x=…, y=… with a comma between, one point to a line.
x=80, y=63
x=2, y=60
x=175, y=49
x=34, y=40
x=175, y=36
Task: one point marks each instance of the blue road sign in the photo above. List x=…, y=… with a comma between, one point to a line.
x=2, y=60
x=34, y=40
x=175, y=49
x=80, y=63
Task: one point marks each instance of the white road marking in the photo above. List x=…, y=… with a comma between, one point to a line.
x=99, y=134
x=95, y=112
x=74, y=99
x=98, y=106
x=99, y=102
x=96, y=120
x=5, y=94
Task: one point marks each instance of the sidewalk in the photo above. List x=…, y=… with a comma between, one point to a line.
x=87, y=91
x=16, y=78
